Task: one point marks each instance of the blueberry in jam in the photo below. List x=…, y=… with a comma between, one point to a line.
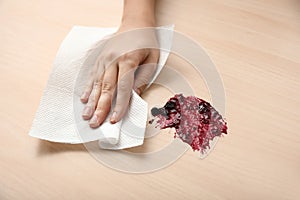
x=204, y=107
x=170, y=105
x=155, y=111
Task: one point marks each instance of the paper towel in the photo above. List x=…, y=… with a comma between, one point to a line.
x=58, y=118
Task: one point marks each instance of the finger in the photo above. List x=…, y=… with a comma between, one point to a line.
x=145, y=72
x=96, y=81
x=106, y=97
x=92, y=100
x=87, y=91
x=91, y=79
x=125, y=85
x=96, y=77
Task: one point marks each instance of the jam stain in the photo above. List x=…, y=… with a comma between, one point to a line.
x=195, y=121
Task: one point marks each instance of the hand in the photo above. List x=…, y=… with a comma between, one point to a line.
x=116, y=71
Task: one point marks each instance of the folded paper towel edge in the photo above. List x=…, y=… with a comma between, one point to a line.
x=125, y=135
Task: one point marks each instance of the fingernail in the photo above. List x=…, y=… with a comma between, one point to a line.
x=84, y=95
x=94, y=120
x=113, y=117
x=87, y=111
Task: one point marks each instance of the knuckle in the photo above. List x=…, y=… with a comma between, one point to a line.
x=130, y=61
x=109, y=64
x=97, y=85
x=110, y=56
x=107, y=87
x=100, y=58
x=94, y=69
x=98, y=111
x=123, y=85
x=91, y=104
x=92, y=101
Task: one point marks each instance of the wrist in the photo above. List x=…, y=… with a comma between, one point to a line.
x=138, y=14
x=138, y=20
x=134, y=24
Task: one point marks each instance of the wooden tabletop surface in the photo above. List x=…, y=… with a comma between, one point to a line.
x=255, y=46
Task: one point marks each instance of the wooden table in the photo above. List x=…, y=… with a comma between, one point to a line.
x=255, y=46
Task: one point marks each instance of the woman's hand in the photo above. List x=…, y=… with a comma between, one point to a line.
x=120, y=72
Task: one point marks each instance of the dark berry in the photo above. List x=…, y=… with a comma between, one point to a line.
x=155, y=111
x=203, y=107
x=205, y=121
x=170, y=105
x=165, y=113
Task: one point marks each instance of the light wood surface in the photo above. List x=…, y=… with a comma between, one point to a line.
x=255, y=45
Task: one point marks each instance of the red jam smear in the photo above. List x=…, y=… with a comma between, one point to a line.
x=196, y=122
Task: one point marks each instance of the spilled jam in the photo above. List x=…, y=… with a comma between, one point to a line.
x=196, y=122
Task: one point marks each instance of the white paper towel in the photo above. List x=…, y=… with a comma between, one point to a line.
x=58, y=118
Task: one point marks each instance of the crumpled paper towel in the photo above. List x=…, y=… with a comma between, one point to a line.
x=58, y=117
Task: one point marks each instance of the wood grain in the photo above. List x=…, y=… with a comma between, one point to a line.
x=255, y=46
